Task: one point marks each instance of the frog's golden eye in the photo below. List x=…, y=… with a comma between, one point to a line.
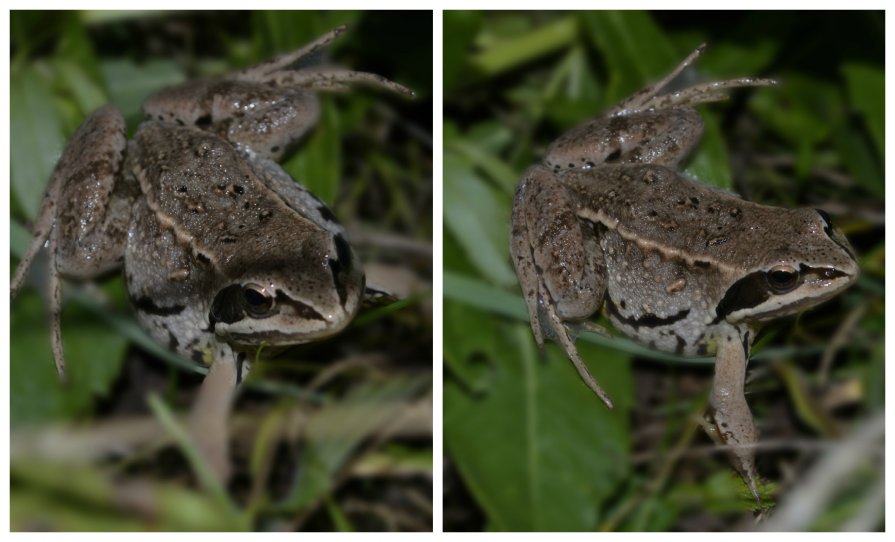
x=257, y=300
x=782, y=278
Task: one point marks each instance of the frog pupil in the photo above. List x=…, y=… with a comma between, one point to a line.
x=781, y=280
x=256, y=300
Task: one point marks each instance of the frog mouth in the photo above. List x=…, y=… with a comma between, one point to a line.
x=252, y=334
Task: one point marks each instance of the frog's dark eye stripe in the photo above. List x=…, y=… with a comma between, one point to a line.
x=227, y=306
x=749, y=291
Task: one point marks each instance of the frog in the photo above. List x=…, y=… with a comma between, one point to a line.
x=223, y=253
x=607, y=224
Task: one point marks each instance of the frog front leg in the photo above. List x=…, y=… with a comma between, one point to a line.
x=558, y=262
x=84, y=215
x=732, y=418
x=210, y=412
x=267, y=107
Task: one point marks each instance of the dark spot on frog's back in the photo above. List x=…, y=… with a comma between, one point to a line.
x=204, y=121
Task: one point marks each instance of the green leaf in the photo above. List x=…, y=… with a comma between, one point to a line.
x=93, y=352
x=709, y=163
x=635, y=48
x=478, y=218
x=130, y=83
x=87, y=94
x=38, y=140
x=537, y=449
x=505, y=54
x=317, y=165
x=866, y=93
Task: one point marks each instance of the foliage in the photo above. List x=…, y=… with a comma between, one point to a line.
x=531, y=448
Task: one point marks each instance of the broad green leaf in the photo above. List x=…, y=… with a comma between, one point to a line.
x=635, y=48
x=505, y=54
x=130, y=83
x=93, y=352
x=536, y=448
x=478, y=218
x=38, y=140
x=87, y=93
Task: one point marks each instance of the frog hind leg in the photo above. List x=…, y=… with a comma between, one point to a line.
x=732, y=417
x=620, y=140
x=650, y=98
x=556, y=258
x=267, y=107
x=294, y=69
x=86, y=235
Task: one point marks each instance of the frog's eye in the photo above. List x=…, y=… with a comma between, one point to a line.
x=782, y=278
x=256, y=300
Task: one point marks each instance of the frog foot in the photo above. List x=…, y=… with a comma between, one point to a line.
x=276, y=71
x=650, y=98
x=558, y=330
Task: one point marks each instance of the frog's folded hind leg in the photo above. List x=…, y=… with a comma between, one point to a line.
x=560, y=333
x=84, y=214
x=558, y=262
